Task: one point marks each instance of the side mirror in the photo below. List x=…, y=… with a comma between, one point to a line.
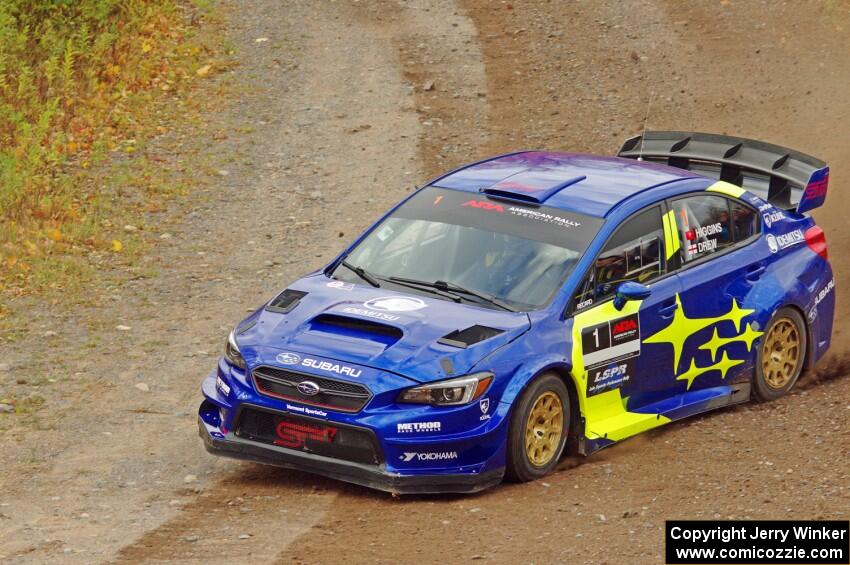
x=630, y=290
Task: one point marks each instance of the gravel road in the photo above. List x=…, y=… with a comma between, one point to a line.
x=337, y=109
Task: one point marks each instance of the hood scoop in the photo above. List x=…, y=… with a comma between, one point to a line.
x=286, y=301
x=469, y=336
x=344, y=326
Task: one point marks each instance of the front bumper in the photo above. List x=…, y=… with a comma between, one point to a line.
x=371, y=476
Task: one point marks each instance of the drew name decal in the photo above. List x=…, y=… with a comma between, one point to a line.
x=695, y=247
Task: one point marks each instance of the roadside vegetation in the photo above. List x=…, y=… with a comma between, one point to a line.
x=83, y=85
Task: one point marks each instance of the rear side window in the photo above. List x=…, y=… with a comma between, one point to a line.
x=745, y=222
x=704, y=226
x=634, y=253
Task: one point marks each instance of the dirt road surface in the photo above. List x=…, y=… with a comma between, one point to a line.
x=335, y=113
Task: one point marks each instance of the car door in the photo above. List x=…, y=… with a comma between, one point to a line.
x=712, y=333
x=613, y=356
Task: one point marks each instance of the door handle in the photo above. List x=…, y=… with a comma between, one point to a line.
x=667, y=312
x=754, y=272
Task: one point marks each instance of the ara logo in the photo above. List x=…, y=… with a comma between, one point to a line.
x=288, y=358
x=624, y=325
x=409, y=456
x=483, y=205
x=395, y=304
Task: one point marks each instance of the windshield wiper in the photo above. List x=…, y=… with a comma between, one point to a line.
x=451, y=287
x=362, y=273
x=422, y=285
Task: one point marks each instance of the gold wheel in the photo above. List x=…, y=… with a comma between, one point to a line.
x=782, y=350
x=544, y=428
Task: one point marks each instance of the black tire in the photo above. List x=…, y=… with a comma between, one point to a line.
x=766, y=385
x=520, y=468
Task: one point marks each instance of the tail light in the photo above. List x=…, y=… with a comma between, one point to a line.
x=816, y=240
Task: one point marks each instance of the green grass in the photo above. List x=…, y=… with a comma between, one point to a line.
x=79, y=82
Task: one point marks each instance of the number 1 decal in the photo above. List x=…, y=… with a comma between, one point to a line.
x=607, y=350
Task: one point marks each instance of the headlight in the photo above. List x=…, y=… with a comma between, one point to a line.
x=452, y=392
x=232, y=353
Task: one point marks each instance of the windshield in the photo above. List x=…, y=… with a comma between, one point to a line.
x=517, y=253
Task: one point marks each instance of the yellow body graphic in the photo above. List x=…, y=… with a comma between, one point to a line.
x=682, y=327
x=727, y=188
x=716, y=342
x=605, y=413
x=723, y=366
x=670, y=236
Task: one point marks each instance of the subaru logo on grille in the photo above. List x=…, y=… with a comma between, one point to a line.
x=288, y=358
x=308, y=388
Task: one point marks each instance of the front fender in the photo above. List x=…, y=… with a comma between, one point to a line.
x=546, y=346
x=529, y=370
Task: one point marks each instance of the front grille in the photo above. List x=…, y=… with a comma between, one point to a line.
x=337, y=395
x=308, y=435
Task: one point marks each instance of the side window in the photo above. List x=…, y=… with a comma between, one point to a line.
x=704, y=225
x=634, y=253
x=745, y=221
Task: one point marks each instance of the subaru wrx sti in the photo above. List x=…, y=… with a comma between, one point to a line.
x=533, y=303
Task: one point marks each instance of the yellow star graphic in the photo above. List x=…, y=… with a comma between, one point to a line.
x=737, y=314
x=682, y=327
x=679, y=330
x=716, y=342
x=723, y=366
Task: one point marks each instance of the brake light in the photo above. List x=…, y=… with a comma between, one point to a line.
x=816, y=240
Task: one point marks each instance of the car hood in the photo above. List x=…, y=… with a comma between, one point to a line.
x=412, y=335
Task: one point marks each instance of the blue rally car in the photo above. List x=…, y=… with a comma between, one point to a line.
x=531, y=303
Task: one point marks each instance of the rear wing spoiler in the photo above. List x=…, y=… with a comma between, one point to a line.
x=786, y=178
